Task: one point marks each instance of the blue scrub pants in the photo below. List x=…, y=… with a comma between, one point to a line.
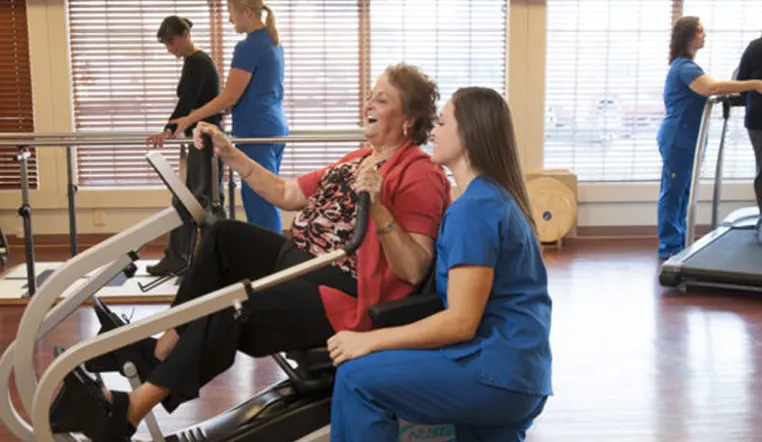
x=673, y=197
x=258, y=211
x=424, y=387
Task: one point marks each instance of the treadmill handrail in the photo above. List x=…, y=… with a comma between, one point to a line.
x=696, y=173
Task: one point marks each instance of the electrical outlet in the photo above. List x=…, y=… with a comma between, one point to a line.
x=99, y=218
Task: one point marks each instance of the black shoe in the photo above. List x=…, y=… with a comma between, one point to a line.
x=165, y=268
x=82, y=407
x=140, y=353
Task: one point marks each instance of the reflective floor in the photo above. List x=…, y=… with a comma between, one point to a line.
x=632, y=361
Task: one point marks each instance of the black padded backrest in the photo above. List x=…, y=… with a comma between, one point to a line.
x=429, y=284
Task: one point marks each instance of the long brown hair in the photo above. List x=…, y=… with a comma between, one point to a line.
x=683, y=33
x=486, y=130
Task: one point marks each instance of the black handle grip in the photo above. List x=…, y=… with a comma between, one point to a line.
x=361, y=225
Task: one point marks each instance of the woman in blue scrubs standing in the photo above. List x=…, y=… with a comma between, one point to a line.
x=685, y=93
x=254, y=91
x=482, y=364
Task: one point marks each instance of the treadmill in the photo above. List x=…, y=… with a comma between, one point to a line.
x=728, y=257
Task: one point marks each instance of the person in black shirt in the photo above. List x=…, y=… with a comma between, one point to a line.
x=199, y=84
x=750, y=68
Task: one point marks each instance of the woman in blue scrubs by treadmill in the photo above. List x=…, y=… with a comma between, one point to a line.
x=254, y=90
x=482, y=364
x=685, y=93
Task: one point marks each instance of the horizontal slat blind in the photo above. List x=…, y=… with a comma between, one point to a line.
x=606, y=65
x=16, y=113
x=730, y=25
x=125, y=80
x=321, y=40
x=457, y=43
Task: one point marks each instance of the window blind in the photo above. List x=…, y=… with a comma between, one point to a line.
x=606, y=65
x=729, y=25
x=322, y=85
x=456, y=43
x=15, y=90
x=125, y=80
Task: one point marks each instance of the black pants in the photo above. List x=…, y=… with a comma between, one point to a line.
x=198, y=179
x=756, y=141
x=288, y=316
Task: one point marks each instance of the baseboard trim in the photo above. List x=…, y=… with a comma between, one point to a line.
x=85, y=240
x=628, y=231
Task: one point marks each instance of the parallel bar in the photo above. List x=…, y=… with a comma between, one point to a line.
x=177, y=141
x=86, y=134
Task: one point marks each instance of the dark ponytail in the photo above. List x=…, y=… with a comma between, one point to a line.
x=171, y=27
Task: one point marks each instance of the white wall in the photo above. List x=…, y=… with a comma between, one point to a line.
x=110, y=210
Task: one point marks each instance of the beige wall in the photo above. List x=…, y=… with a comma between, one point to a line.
x=107, y=211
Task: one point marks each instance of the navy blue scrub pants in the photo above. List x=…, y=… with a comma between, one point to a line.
x=258, y=211
x=672, y=208
x=424, y=387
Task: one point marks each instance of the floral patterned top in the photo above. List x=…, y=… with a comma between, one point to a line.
x=327, y=222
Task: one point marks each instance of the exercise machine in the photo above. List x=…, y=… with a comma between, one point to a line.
x=729, y=257
x=297, y=408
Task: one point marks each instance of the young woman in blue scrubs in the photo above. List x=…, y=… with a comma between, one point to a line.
x=685, y=93
x=482, y=364
x=254, y=90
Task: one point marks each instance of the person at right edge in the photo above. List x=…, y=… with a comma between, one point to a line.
x=751, y=68
x=254, y=91
x=685, y=93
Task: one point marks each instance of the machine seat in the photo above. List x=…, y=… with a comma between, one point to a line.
x=315, y=370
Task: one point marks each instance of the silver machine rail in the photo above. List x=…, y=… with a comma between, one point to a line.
x=40, y=317
x=727, y=101
x=25, y=142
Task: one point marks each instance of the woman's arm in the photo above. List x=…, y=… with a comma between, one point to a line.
x=421, y=202
x=468, y=290
x=706, y=86
x=236, y=84
x=409, y=254
x=283, y=193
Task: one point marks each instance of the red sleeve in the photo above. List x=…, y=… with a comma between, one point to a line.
x=310, y=180
x=421, y=199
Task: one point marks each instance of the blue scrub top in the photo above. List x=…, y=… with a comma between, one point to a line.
x=485, y=227
x=259, y=111
x=683, y=106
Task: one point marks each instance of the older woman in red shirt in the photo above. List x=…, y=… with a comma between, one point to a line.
x=409, y=195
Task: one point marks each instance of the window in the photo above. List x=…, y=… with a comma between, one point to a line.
x=730, y=25
x=606, y=64
x=125, y=81
x=322, y=86
x=455, y=42
x=15, y=90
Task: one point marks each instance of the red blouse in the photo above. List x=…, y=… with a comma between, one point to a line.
x=415, y=191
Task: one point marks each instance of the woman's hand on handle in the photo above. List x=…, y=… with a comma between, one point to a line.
x=157, y=140
x=369, y=180
x=222, y=147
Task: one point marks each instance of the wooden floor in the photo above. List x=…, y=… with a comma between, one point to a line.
x=632, y=362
